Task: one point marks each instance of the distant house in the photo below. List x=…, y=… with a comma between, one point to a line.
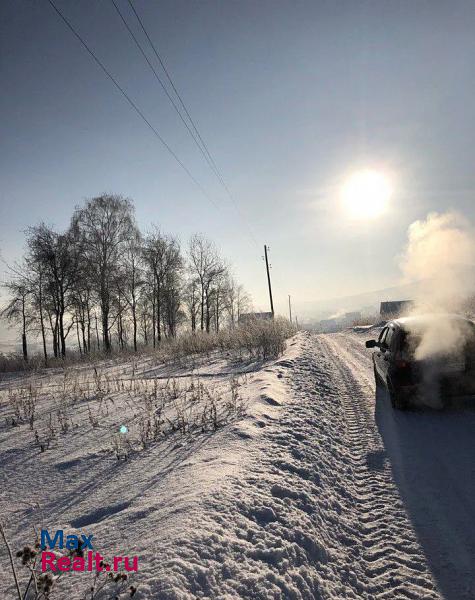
x=395, y=308
x=255, y=316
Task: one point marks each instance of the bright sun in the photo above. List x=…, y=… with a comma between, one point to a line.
x=365, y=195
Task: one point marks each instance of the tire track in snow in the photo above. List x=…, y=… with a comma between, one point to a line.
x=313, y=514
x=392, y=560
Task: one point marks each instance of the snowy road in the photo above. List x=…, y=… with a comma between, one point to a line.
x=408, y=490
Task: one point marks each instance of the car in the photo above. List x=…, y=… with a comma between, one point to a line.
x=425, y=358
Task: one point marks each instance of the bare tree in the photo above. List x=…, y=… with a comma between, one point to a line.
x=133, y=279
x=55, y=256
x=82, y=303
x=164, y=262
x=206, y=266
x=221, y=297
x=18, y=310
x=104, y=226
x=82, y=294
x=213, y=294
x=146, y=311
x=237, y=302
x=38, y=302
x=172, y=313
x=192, y=300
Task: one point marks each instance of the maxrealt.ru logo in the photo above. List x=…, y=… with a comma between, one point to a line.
x=82, y=556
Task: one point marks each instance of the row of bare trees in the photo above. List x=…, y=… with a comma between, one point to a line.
x=103, y=283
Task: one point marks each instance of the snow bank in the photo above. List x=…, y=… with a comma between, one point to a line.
x=172, y=503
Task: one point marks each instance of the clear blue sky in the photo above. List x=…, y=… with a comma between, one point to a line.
x=290, y=97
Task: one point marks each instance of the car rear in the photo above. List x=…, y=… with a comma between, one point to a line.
x=435, y=357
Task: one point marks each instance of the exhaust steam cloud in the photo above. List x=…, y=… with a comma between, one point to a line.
x=439, y=258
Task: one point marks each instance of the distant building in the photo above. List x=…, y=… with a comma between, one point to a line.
x=255, y=316
x=395, y=308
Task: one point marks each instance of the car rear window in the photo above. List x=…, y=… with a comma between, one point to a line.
x=410, y=340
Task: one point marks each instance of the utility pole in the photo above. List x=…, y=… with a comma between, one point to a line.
x=268, y=281
x=290, y=309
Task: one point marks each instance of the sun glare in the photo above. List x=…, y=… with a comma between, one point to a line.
x=365, y=195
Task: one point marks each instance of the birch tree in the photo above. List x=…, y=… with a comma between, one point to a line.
x=104, y=226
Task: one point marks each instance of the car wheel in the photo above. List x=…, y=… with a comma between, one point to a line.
x=377, y=378
x=398, y=401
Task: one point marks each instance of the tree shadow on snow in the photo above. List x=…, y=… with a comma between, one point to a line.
x=432, y=456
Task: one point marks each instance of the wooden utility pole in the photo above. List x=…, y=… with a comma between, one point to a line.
x=268, y=281
x=290, y=309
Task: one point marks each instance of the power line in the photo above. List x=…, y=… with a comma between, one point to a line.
x=204, y=148
x=164, y=88
x=162, y=64
x=131, y=102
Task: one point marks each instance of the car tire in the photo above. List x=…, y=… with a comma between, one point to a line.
x=398, y=401
x=377, y=378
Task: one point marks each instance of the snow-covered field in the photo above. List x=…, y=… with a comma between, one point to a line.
x=287, y=479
